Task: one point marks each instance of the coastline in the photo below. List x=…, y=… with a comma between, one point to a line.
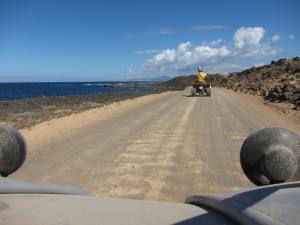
x=25, y=113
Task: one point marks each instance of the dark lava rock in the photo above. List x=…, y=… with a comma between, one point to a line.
x=28, y=112
x=278, y=81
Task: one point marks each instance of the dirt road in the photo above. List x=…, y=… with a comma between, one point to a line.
x=166, y=148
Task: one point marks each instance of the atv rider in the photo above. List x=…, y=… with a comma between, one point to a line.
x=200, y=77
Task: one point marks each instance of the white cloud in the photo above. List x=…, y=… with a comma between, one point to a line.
x=174, y=30
x=185, y=56
x=165, y=57
x=246, y=37
x=147, y=51
x=208, y=54
x=208, y=27
x=183, y=47
x=291, y=36
x=213, y=43
x=168, y=30
x=248, y=43
x=276, y=37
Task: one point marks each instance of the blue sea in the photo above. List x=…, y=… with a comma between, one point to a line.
x=39, y=89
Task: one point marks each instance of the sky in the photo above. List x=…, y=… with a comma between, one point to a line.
x=72, y=40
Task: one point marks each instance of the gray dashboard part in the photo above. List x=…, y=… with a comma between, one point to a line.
x=274, y=204
x=9, y=186
x=45, y=209
x=34, y=204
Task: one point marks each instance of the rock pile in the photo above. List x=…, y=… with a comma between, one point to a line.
x=278, y=81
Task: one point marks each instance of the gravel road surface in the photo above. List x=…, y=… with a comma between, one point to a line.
x=166, y=148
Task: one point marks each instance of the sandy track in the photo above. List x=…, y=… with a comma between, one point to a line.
x=161, y=147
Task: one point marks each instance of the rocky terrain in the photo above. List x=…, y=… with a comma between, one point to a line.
x=276, y=82
x=28, y=112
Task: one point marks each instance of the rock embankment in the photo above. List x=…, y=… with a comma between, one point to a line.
x=277, y=82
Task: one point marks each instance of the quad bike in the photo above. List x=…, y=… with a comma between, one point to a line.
x=201, y=89
x=269, y=156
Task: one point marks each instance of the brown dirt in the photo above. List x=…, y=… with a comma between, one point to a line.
x=161, y=147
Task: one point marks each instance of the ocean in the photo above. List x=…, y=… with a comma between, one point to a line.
x=10, y=91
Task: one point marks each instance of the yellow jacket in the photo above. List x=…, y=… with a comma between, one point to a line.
x=200, y=77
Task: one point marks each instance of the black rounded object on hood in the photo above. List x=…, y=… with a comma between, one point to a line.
x=12, y=149
x=271, y=155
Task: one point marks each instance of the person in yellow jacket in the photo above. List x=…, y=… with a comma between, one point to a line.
x=200, y=77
